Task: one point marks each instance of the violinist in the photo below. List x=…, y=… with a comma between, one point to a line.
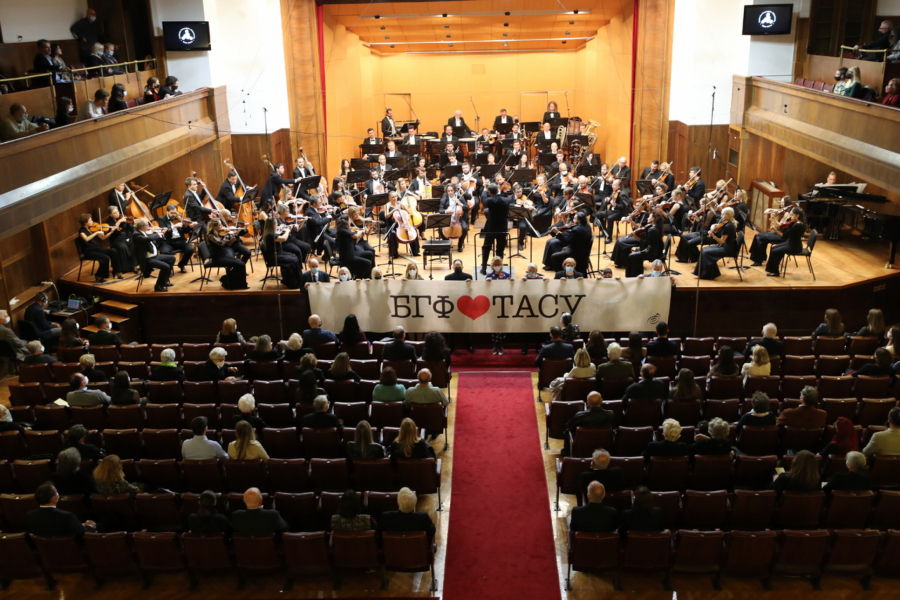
x=676, y=211
x=220, y=242
x=227, y=195
x=567, y=208
x=585, y=188
x=741, y=210
x=792, y=241
x=147, y=246
x=601, y=186
x=340, y=195
x=655, y=174
x=566, y=179
x=695, y=187
x=88, y=244
x=294, y=243
x=354, y=258
x=701, y=221
x=272, y=189
x=455, y=200
x=193, y=205
x=625, y=245
x=541, y=196
x=724, y=236
x=239, y=230
x=779, y=220
x=274, y=253
x=615, y=208
x=119, y=198
x=318, y=217
x=666, y=176
x=120, y=233
x=177, y=236
x=520, y=200
x=650, y=246
x=573, y=242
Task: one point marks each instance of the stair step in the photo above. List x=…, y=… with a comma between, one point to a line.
x=94, y=329
x=114, y=319
x=115, y=305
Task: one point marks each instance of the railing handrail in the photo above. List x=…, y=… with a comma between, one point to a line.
x=864, y=49
x=118, y=64
x=883, y=58
x=32, y=76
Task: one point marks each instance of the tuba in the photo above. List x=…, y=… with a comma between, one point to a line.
x=561, y=135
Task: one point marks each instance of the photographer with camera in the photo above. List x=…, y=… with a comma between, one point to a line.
x=17, y=124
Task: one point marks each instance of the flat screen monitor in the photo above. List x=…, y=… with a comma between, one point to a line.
x=186, y=36
x=768, y=19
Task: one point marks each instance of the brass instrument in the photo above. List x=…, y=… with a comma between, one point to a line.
x=561, y=135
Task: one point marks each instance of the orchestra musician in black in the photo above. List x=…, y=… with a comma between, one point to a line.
x=792, y=241
x=573, y=240
x=272, y=190
x=177, y=236
x=357, y=260
x=294, y=243
x=650, y=244
x=613, y=208
x=318, y=218
x=697, y=188
x=121, y=232
x=496, y=212
x=227, y=192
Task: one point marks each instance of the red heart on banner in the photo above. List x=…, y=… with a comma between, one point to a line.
x=473, y=307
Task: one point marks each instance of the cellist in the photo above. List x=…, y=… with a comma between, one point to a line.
x=453, y=201
x=119, y=198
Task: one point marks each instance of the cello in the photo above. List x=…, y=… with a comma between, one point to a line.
x=210, y=202
x=245, y=211
x=454, y=230
x=137, y=208
x=406, y=233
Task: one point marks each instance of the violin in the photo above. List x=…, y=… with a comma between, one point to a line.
x=504, y=186
x=717, y=227
x=640, y=231
x=691, y=182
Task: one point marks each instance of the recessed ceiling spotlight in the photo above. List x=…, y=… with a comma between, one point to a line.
x=571, y=22
x=446, y=27
x=377, y=16
x=451, y=45
x=575, y=12
x=564, y=41
x=506, y=43
x=567, y=33
x=387, y=37
x=392, y=45
x=506, y=13
x=506, y=24
x=382, y=27
x=445, y=14
x=505, y=35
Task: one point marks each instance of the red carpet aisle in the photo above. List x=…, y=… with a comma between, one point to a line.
x=500, y=541
x=484, y=359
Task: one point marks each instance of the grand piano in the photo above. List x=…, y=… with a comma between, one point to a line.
x=828, y=209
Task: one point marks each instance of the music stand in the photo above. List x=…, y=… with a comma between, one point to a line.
x=395, y=174
x=437, y=190
x=359, y=163
x=462, y=132
x=586, y=199
x=504, y=128
x=372, y=148
x=429, y=205
x=516, y=214
x=547, y=159
x=309, y=183
x=360, y=176
x=443, y=249
x=522, y=175
x=571, y=139
x=481, y=158
x=406, y=126
x=160, y=201
x=397, y=162
x=645, y=187
x=555, y=124
x=530, y=125
x=587, y=170
x=410, y=149
x=451, y=171
x=488, y=171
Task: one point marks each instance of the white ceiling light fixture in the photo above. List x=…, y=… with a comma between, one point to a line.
x=477, y=14
x=495, y=41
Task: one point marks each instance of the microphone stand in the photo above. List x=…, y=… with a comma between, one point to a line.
x=477, y=117
x=277, y=280
x=712, y=113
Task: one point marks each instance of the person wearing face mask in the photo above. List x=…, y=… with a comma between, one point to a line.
x=151, y=90
x=314, y=274
x=840, y=77
x=64, y=108
x=412, y=272
x=215, y=368
x=108, y=58
x=17, y=124
x=459, y=275
x=170, y=88
x=376, y=274
x=353, y=258
x=344, y=274
x=37, y=355
x=568, y=271
x=117, y=98
x=497, y=273
x=88, y=31
x=9, y=336
x=96, y=60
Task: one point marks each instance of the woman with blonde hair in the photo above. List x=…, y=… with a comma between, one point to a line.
x=363, y=447
x=245, y=446
x=854, y=87
x=412, y=271
x=340, y=369
x=669, y=446
x=110, y=478
x=87, y=362
x=759, y=364
x=874, y=326
x=295, y=350
x=408, y=443
x=725, y=238
x=833, y=325
x=264, y=350
x=583, y=368
x=229, y=333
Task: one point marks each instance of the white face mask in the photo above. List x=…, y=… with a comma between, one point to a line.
x=570, y=269
x=656, y=273
x=92, y=19
x=344, y=277
x=497, y=268
x=413, y=273
x=6, y=320
x=124, y=94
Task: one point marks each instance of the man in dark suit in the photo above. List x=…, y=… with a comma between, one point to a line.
x=698, y=190
x=256, y=520
x=805, y=416
x=147, y=250
x=647, y=388
x=575, y=242
x=49, y=521
x=459, y=275
x=407, y=519
x=315, y=335
x=104, y=337
x=662, y=345
x=388, y=127
x=612, y=478
x=457, y=121
x=773, y=345
x=448, y=137
x=595, y=416
x=371, y=140
x=496, y=212
x=398, y=349
x=321, y=418
x=47, y=331
x=227, y=192
x=272, y=189
x=855, y=478
x=622, y=171
x=594, y=517
x=502, y=119
x=315, y=274
x=36, y=354
x=43, y=62
x=193, y=202
x=557, y=349
x=9, y=336
x=177, y=236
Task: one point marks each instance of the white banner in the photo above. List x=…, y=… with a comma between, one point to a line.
x=494, y=306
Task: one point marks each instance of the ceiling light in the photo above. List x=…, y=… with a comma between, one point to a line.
x=451, y=45
x=448, y=37
x=477, y=14
x=445, y=15
x=505, y=35
x=506, y=13
x=392, y=45
x=446, y=27
x=485, y=51
x=382, y=27
x=506, y=43
x=387, y=37
x=494, y=41
x=564, y=41
x=377, y=16
x=506, y=24
x=574, y=12
x=567, y=33
x=571, y=22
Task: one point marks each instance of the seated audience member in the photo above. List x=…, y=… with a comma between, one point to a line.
x=296, y=350
x=643, y=516
x=104, y=335
x=648, y=388
x=882, y=367
x=582, y=368
x=69, y=479
x=215, y=369
x=803, y=476
x=844, y=440
x=109, y=58
x=616, y=368
x=424, y=392
x=596, y=347
x=110, y=478
x=892, y=88
x=49, y=521
x=409, y=445
x=256, y=520
x=168, y=369
x=170, y=89
x=69, y=336
x=200, y=447
x=81, y=395
x=570, y=331
x=47, y=331
x=595, y=416
x=75, y=439
x=612, y=478
x=435, y=348
x=759, y=365
x=557, y=349
x=94, y=109
x=321, y=418
x=308, y=389
x=662, y=345
x=387, y=389
x=714, y=444
x=7, y=423
x=685, y=388
x=670, y=446
x=407, y=519
x=363, y=447
x=594, y=517
x=37, y=355
x=760, y=415
x=16, y=124
x=264, y=350
x=874, y=326
x=96, y=60
x=855, y=87
x=399, y=349
x=888, y=441
x=207, y=519
x=568, y=271
x=229, y=333
x=117, y=98
x=87, y=362
x=314, y=274
x=348, y=517
x=315, y=335
x=635, y=351
x=151, y=90
x=247, y=406
x=351, y=333
x=64, y=108
x=769, y=341
x=892, y=346
x=309, y=362
x=245, y=446
x=833, y=325
x=340, y=369
x=806, y=416
x=725, y=366
x=121, y=393
x=856, y=477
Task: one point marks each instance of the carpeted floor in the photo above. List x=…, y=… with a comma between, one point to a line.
x=500, y=541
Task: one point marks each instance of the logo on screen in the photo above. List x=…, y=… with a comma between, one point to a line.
x=187, y=36
x=767, y=19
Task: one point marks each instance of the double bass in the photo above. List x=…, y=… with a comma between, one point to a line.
x=210, y=202
x=245, y=211
x=137, y=208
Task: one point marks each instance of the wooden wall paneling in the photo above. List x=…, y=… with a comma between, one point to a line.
x=170, y=176
x=699, y=151
x=38, y=101
x=18, y=58
x=801, y=41
x=248, y=149
x=677, y=150
x=874, y=74
x=159, y=53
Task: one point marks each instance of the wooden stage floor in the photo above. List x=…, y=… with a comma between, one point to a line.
x=849, y=261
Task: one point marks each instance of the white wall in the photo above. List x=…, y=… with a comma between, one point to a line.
x=885, y=7
x=772, y=56
x=191, y=68
x=33, y=20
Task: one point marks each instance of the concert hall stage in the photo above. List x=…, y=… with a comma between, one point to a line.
x=850, y=276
